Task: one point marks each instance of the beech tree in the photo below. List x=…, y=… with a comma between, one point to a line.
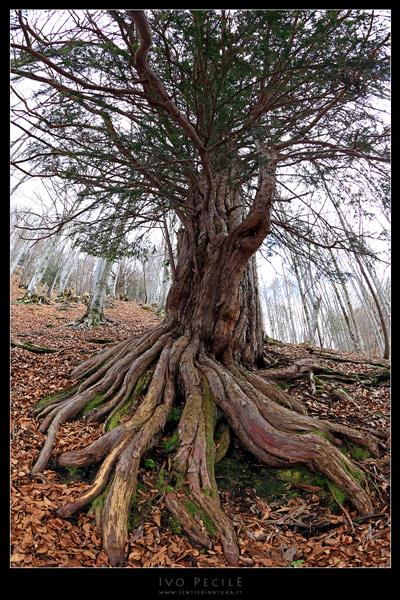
x=214, y=115
x=18, y=244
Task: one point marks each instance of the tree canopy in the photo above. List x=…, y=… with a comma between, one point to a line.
x=208, y=93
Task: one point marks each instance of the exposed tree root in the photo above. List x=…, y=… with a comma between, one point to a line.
x=222, y=442
x=272, y=391
x=34, y=299
x=304, y=366
x=331, y=355
x=133, y=386
x=91, y=318
x=271, y=432
x=70, y=296
x=194, y=465
x=32, y=347
x=294, y=371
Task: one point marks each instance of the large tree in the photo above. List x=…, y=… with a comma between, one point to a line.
x=215, y=115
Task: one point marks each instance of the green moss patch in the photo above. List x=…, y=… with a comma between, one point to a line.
x=113, y=421
x=237, y=476
x=175, y=526
x=171, y=443
x=324, y=434
x=331, y=492
x=134, y=517
x=301, y=476
x=358, y=452
x=149, y=463
x=47, y=400
x=58, y=396
x=355, y=472
x=297, y=564
x=284, y=386
x=195, y=510
x=93, y=403
x=118, y=414
x=163, y=481
x=354, y=451
x=174, y=415
x=337, y=494
x=74, y=474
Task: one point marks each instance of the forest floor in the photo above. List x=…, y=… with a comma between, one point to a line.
x=279, y=523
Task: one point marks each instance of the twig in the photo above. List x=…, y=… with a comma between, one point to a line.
x=369, y=516
x=346, y=514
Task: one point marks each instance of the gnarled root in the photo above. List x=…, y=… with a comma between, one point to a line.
x=198, y=500
x=272, y=392
x=132, y=386
x=117, y=368
x=91, y=318
x=125, y=446
x=278, y=436
x=34, y=299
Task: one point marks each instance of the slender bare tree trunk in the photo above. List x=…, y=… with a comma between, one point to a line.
x=66, y=270
x=314, y=319
x=353, y=327
x=94, y=314
x=53, y=283
x=166, y=268
x=385, y=333
x=41, y=266
x=384, y=302
x=307, y=331
x=293, y=337
x=364, y=300
x=356, y=345
x=20, y=247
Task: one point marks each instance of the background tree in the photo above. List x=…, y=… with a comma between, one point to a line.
x=210, y=114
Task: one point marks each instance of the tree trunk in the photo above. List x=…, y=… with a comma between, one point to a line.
x=385, y=333
x=53, y=283
x=314, y=319
x=144, y=282
x=19, y=248
x=66, y=271
x=349, y=317
x=112, y=283
x=293, y=337
x=40, y=268
x=168, y=266
x=201, y=357
x=37, y=275
x=384, y=299
x=307, y=329
x=216, y=298
x=371, y=337
x=94, y=314
x=271, y=320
